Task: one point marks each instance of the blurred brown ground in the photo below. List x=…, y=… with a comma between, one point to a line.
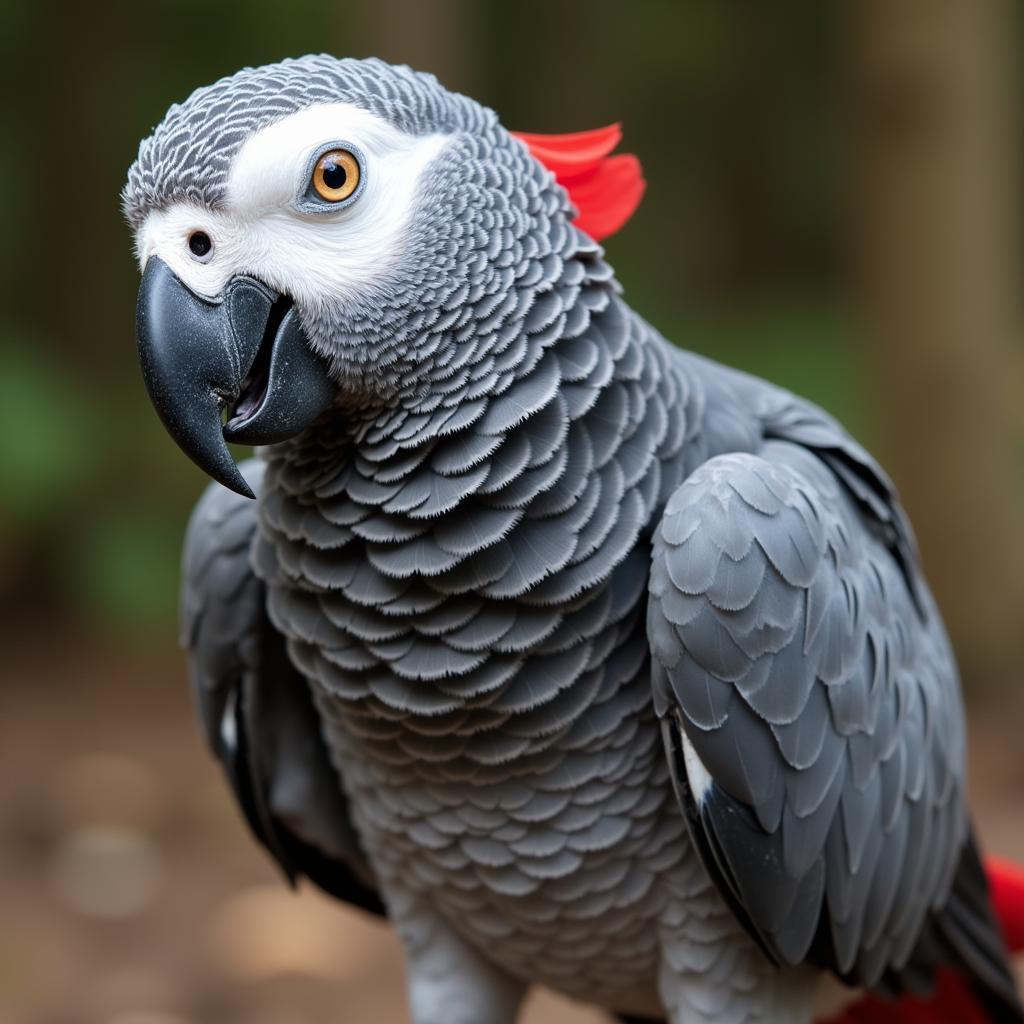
x=131, y=892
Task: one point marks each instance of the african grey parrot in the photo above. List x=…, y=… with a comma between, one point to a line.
x=588, y=661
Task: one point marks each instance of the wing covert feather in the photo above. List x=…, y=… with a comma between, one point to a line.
x=819, y=694
x=255, y=708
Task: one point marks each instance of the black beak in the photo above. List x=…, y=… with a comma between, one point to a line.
x=244, y=351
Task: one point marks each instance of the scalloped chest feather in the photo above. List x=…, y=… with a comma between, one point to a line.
x=463, y=582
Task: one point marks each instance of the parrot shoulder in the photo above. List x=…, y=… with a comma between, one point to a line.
x=811, y=712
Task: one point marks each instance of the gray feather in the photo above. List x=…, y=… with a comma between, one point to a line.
x=459, y=556
x=256, y=710
x=819, y=732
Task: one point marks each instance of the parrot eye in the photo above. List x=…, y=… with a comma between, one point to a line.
x=334, y=179
x=336, y=175
x=200, y=245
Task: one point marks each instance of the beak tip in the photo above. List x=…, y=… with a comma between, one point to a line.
x=232, y=479
x=244, y=492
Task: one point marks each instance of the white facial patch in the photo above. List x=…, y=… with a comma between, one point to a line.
x=316, y=258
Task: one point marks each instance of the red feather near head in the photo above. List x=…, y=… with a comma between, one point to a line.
x=604, y=189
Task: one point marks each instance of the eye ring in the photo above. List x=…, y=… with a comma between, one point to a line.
x=311, y=200
x=336, y=175
x=200, y=245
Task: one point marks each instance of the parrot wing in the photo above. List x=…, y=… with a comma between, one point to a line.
x=256, y=710
x=811, y=713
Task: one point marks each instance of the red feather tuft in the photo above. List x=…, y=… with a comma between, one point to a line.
x=604, y=189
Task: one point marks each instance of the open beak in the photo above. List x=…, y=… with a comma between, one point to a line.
x=244, y=352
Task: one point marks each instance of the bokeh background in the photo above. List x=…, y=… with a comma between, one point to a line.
x=834, y=202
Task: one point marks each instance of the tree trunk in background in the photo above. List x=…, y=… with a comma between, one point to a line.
x=935, y=219
x=440, y=37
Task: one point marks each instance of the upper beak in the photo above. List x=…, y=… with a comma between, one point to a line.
x=199, y=355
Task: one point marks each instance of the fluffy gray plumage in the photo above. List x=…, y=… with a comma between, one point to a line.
x=536, y=573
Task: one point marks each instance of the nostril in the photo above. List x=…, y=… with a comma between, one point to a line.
x=200, y=245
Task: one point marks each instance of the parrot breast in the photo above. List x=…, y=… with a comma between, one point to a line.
x=464, y=583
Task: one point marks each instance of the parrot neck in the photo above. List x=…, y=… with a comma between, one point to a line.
x=471, y=552
x=441, y=370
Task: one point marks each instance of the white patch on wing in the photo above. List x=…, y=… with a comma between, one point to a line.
x=314, y=258
x=697, y=775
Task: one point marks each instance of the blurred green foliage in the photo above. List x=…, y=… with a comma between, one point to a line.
x=46, y=429
x=731, y=106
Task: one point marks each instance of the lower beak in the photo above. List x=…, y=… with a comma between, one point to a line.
x=244, y=351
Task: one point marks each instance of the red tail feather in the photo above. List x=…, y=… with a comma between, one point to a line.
x=1006, y=881
x=604, y=189
x=952, y=1002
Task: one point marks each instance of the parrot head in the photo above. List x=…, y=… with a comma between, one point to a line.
x=325, y=228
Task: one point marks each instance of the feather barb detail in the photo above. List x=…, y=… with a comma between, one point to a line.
x=952, y=1002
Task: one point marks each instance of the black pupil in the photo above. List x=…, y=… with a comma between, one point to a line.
x=199, y=243
x=334, y=175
